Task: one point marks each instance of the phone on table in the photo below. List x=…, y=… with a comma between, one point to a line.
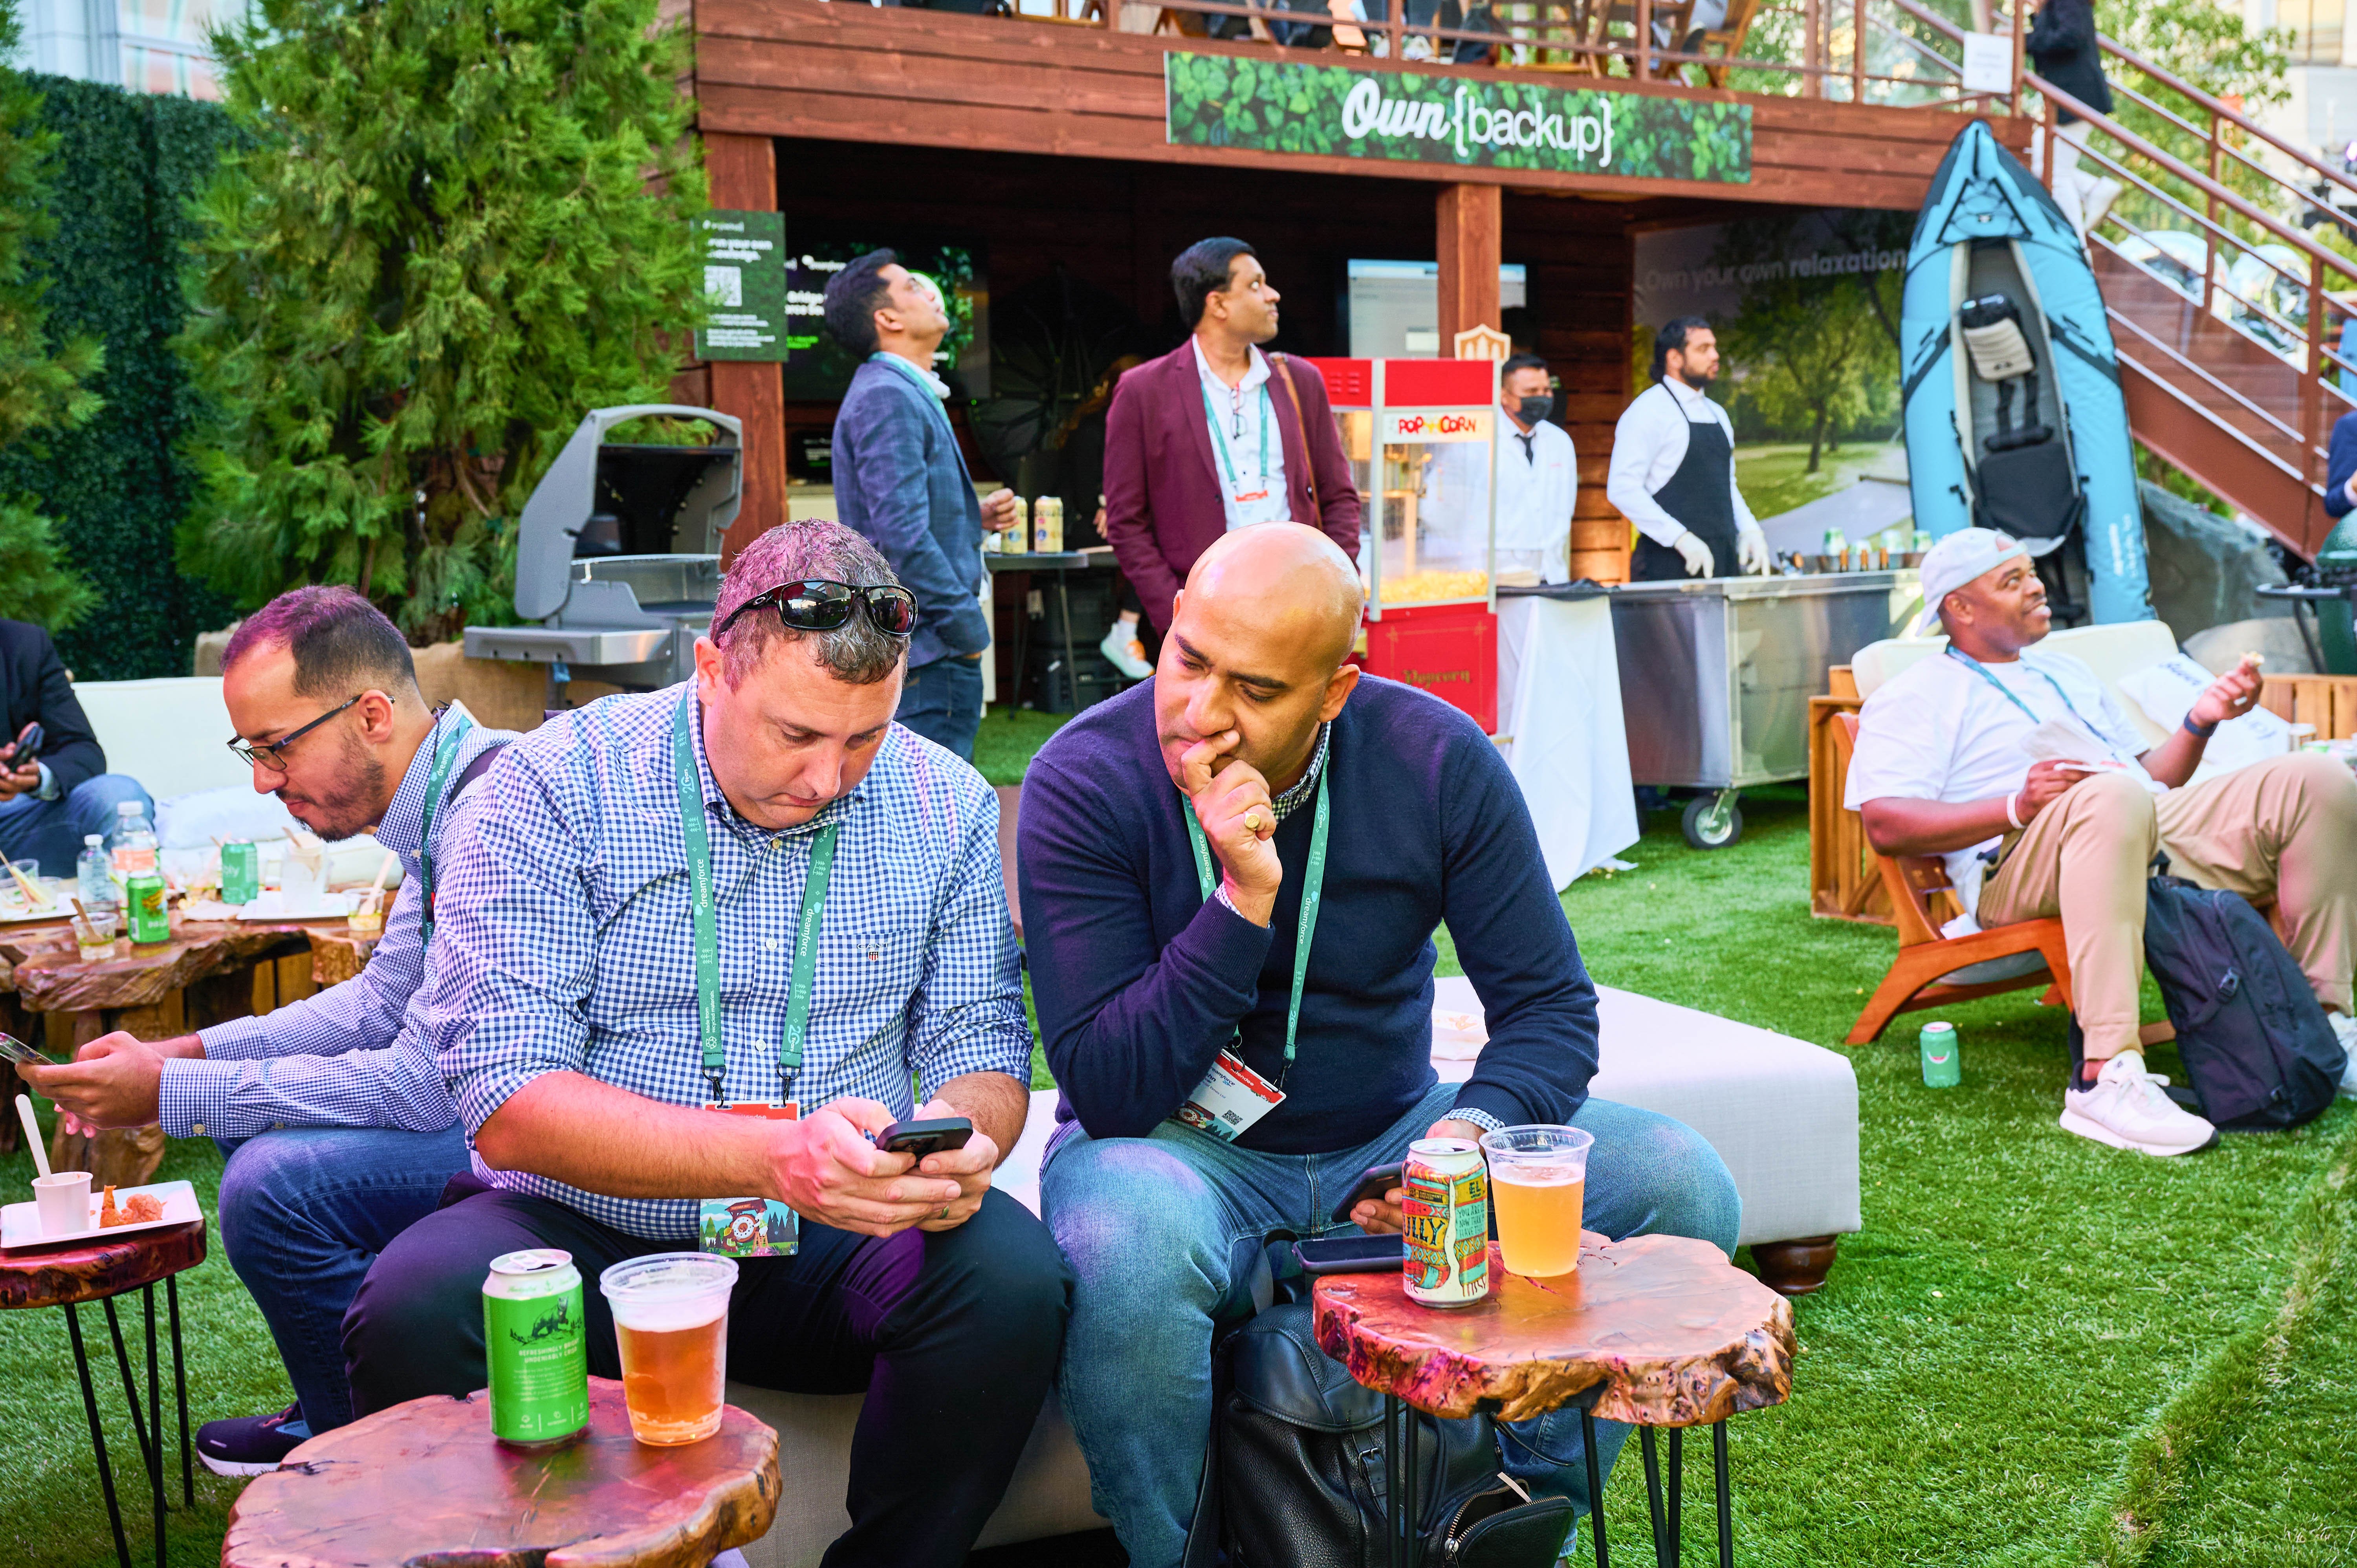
x=27, y=744
x=921, y=1138
x=1373, y=1183
x=1358, y=1254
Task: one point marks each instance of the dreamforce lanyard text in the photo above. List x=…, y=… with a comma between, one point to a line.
x=694, y=830
x=446, y=753
x=1313, y=892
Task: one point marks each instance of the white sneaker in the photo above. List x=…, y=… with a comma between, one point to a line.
x=2344, y=1029
x=2126, y=1110
x=1122, y=648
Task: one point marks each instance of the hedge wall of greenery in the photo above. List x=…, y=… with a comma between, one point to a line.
x=127, y=164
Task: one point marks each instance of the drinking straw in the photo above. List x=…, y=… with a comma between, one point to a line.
x=33, y=896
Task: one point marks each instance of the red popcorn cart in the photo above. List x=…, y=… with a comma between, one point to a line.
x=1422, y=439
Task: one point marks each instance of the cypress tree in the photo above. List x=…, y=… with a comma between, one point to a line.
x=458, y=225
x=41, y=383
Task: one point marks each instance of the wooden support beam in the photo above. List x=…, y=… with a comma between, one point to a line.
x=1469, y=223
x=742, y=172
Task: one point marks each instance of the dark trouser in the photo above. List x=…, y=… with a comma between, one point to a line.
x=942, y=701
x=954, y=1338
x=51, y=831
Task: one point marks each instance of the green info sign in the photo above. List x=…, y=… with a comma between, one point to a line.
x=1283, y=106
x=744, y=286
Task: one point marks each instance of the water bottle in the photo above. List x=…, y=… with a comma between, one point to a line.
x=90, y=871
x=131, y=847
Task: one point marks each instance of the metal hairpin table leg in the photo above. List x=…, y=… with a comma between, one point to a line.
x=155, y=1419
x=1725, y=1500
x=1677, y=1488
x=1391, y=1482
x=1665, y=1545
x=1403, y=1548
x=97, y=1436
x=181, y=1393
x=130, y=1389
x=1595, y=1484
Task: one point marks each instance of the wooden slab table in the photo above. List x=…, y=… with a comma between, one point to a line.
x=424, y=1482
x=1655, y=1330
x=208, y=972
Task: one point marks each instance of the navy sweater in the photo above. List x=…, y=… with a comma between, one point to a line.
x=1139, y=981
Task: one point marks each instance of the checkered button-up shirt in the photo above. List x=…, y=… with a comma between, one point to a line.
x=350, y=1055
x=563, y=942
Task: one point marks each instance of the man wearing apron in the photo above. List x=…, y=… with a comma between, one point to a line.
x=1673, y=471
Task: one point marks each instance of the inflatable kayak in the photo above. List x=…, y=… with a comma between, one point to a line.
x=2010, y=382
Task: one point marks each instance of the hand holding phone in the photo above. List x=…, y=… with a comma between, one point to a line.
x=27, y=746
x=927, y=1137
x=1375, y=1184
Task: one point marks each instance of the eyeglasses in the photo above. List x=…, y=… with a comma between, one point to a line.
x=820, y=604
x=273, y=753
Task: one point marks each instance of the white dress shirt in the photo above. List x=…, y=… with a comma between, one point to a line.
x=1234, y=415
x=1538, y=483
x=1648, y=443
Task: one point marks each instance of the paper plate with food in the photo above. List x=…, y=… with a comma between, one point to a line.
x=113, y=1211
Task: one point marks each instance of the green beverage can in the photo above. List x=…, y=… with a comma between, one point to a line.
x=150, y=919
x=1944, y=1068
x=535, y=1348
x=240, y=879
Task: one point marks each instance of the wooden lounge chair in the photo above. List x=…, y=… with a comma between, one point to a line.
x=1925, y=973
x=1726, y=40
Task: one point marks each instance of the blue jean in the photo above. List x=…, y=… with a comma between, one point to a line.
x=1154, y=1226
x=304, y=1213
x=52, y=830
x=942, y=701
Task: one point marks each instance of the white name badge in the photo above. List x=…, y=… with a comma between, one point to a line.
x=1231, y=1097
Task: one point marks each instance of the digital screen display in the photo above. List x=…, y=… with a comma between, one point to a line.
x=817, y=367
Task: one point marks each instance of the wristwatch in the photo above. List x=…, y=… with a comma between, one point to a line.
x=2199, y=732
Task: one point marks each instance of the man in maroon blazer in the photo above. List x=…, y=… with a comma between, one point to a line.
x=1210, y=437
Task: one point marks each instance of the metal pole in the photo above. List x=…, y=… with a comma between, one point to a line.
x=1412, y=1542
x=1857, y=52
x=155, y=1419
x=1662, y=1544
x=181, y=1392
x=130, y=1396
x=1677, y=1487
x=1726, y=1499
x=1595, y=1486
x=97, y=1435
x=1392, y=1485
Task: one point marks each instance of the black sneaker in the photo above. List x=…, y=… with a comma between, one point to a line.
x=251, y=1444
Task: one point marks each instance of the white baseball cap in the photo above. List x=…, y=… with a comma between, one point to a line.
x=1962, y=556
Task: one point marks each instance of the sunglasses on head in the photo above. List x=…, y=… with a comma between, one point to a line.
x=821, y=604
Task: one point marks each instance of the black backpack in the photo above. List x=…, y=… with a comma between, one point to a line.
x=2253, y=1035
x=1295, y=1477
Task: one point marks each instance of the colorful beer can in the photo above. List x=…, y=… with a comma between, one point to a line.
x=149, y=917
x=535, y=1348
x=1048, y=525
x=241, y=878
x=1016, y=541
x=1943, y=1066
x=1448, y=1211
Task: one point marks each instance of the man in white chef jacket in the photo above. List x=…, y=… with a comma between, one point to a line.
x=1538, y=473
x=1672, y=471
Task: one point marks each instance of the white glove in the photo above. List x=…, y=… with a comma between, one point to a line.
x=1696, y=553
x=1751, y=550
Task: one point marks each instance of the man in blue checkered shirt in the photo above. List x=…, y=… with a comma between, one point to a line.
x=566, y=1011
x=334, y=1117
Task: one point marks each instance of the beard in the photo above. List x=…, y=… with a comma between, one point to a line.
x=354, y=801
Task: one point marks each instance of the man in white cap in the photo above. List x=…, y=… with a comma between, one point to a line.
x=1941, y=769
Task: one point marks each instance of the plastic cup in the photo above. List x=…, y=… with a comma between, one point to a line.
x=670, y=1318
x=63, y=1201
x=1538, y=1181
x=99, y=945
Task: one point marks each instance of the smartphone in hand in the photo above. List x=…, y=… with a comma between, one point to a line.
x=921, y=1138
x=25, y=747
x=1373, y=1183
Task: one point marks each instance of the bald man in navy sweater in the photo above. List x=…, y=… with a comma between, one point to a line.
x=1165, y=847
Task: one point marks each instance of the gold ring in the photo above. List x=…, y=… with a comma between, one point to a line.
x=1252, y=822
x=944, y=1214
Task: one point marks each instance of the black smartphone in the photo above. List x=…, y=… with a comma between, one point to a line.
x=27, y=743
x=1376, y=1181
x=1359, y=1255
x=922, y=1138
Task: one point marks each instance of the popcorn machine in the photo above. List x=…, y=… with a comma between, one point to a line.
x=1421, y=436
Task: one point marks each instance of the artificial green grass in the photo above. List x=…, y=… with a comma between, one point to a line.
x=2039, y=1351
x=1003, y=745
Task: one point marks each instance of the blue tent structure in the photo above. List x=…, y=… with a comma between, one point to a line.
x=2011, y=384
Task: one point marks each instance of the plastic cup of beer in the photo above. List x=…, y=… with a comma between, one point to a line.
x=1538, y=1180
x=670, y=1317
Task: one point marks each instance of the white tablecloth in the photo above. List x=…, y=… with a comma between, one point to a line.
x=1560, y=729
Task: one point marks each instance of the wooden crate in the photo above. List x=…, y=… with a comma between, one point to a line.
x=1844, y=876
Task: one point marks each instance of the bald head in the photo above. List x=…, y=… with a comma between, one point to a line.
x=1293, y=582
x=1253, y=663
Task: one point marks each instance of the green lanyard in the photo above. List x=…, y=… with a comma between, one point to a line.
x=1220, y=442
x=1313, y=890
x=708, y=933
x=446, y=753
x=1981, y=670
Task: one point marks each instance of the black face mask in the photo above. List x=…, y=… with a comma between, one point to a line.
x=1534, y=410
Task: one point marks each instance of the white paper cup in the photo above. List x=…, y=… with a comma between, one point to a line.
x=64, y=1200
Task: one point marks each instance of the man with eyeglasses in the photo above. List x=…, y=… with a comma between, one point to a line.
x=703, y=940
x=333, y=1115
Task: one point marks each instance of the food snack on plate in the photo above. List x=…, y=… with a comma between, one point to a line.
x=143, y=1207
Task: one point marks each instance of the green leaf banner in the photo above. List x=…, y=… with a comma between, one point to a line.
x=1285, y=106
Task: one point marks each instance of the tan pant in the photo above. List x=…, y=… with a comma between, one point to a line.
x=2286, y=828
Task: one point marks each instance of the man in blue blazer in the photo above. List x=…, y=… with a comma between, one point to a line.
x=2341, y=467
x=901, y=481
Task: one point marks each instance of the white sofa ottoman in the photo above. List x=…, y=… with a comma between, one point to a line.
x=1782, y=1113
